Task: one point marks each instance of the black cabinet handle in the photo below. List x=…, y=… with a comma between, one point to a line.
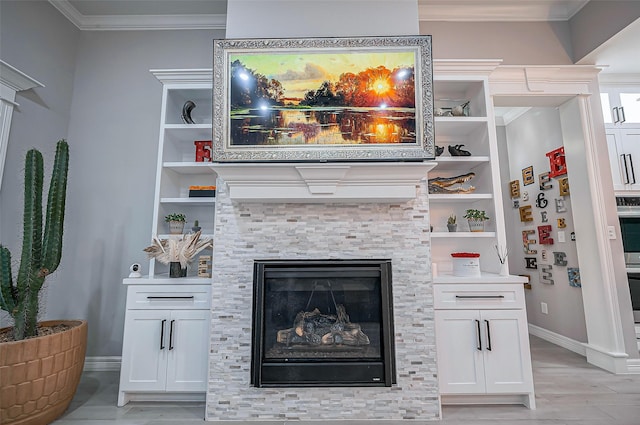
x=633, y=173
x=171, y=335
x=624, y=119
x=488, y=335
x=162, y=334
x=616, y=115
x=479, y=345
x=491, y=297
x=150, y=297
x=623, y=161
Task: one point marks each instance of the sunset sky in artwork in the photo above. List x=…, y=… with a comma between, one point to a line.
x=300, y=72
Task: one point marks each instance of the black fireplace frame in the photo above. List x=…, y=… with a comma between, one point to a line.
x=321, y=373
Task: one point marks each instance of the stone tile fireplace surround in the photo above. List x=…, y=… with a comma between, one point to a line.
x=249, y=231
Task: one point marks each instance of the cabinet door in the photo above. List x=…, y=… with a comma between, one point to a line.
x=507, y=360
x=188, y=345
x=616, y=159
x=144, y=351
x=630, y=143
x=459, y=350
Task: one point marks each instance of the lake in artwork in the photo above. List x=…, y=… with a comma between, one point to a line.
x=360, y=98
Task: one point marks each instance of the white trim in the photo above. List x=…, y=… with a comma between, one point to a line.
x=633, y=366
x=559, y=340
x=12, y=80
x=102, y=364
x=497, y=10
x=607, y=360
x=512, y=114
x=184, y=76
x=139, y=22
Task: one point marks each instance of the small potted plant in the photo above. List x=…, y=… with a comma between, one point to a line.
x=476, y=219
x=196, y=226
x=176, y=223
x=451, y=223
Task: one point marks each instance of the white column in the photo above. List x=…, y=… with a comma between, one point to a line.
x=11, y=81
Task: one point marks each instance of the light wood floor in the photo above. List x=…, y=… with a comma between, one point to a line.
x=568, y=392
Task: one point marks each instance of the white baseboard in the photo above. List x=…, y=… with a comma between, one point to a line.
x=557, y=339
x=102, y=364
x=633, y=366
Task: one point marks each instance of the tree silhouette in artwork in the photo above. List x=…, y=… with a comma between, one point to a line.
x=251, y=89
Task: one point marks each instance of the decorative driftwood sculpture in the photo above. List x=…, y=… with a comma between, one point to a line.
x=315, y=328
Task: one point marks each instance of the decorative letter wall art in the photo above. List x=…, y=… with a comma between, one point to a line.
x=573, y=236
x=574, y=277
x=514, y=187
x=544, y=233
x=527, y=175
x=545, y=181
x=203, y=150
x=562, y=223
x=526, y=242
x=557, y=163
x=525, y=196
x=546, y=275
x=561, y=207
x=541, y=202
x=563, y=186
x=525, y=214
x=543, y=216
x=531, y=262
x=559, y=258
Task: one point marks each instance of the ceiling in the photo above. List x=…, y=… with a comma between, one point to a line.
x=620, y=52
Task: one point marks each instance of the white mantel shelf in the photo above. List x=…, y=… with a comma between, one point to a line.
x=336, y=182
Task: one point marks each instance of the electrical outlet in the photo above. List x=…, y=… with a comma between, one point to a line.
x=611, y=231
x=561, y=236
x=544, y=308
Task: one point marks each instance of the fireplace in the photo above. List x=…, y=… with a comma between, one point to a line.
x=322, y=323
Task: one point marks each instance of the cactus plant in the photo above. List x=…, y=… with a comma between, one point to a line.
x=41, y=253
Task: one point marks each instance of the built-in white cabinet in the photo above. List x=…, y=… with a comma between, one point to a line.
x=177, y=168
x=621, y=105
x=482, y=341
x=459, y=83
x=166, y=334
x=624, y=156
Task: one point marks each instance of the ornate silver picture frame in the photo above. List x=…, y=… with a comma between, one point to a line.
x=323, y=99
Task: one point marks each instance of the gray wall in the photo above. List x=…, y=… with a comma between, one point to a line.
x=101, y=96
x=528, y=139
x=99, y=85
x=516, y=43
x=597, y=22
x=40, y=42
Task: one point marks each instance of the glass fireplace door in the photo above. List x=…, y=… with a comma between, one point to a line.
x=322, y=323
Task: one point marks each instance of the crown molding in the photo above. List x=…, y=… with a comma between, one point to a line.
x=139, y=22
x=428, y=10
x=497, y=10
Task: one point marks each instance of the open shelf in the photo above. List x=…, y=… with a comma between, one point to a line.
x=463, y=234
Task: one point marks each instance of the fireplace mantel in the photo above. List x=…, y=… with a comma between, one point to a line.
x=339, y=182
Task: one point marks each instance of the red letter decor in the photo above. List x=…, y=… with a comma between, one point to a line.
x=557, y=163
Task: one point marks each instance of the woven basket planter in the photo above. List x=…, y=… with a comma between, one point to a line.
x=39, y=376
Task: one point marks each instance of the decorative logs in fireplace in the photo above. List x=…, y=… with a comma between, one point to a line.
x=315, y=328
x=322, y=323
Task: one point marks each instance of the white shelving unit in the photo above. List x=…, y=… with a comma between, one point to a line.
x=481, y=322
x=177, y=169
x=456, y=83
